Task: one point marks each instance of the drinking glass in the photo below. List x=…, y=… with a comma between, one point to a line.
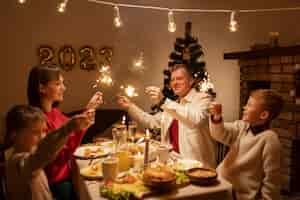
x=119, y=134
x=132, y=127
x=110, y=168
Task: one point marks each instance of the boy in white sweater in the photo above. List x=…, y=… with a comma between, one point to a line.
x=252, y=164
x=25, y=177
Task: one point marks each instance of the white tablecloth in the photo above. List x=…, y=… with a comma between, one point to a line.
x=89, y=190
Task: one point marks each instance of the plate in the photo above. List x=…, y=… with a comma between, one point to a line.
x=90, y=152
x=186, y=164
x=92, y=172
x=202, y=176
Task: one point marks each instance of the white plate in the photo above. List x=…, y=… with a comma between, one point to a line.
x=90, y=152
x=93, y=171
x=186, y=164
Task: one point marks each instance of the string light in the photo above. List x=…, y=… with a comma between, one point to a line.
x=21, y=1
x=233, y=25
x=117, y=18
x=171, y=25
x=62, y=6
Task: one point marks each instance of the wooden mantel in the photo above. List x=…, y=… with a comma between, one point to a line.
x=275, y=51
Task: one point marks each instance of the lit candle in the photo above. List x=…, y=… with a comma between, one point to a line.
x=146, y=156
x=123, y=120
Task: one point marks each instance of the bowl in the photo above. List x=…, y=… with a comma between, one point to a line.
x=202, y=176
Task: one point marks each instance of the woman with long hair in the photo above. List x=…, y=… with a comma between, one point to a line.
x=46, y=90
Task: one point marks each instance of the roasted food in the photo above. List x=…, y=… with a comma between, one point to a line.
x=159, y=176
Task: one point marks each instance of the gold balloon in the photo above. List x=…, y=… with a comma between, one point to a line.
x=87, y=59
x=46, y=54
x=66, y=57
x=106, y=54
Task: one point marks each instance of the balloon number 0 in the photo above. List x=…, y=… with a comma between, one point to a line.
x=88, y=58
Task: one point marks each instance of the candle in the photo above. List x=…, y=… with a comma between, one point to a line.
x=123, y=119
x=146, y=152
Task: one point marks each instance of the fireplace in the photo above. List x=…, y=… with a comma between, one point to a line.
x=279, y=69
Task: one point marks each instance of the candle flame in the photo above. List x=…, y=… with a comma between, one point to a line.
x=123, y=119
x=147, y=133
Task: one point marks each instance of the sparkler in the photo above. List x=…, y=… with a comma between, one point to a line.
x=129, y=91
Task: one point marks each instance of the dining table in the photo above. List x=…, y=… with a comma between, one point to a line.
x=90, y=189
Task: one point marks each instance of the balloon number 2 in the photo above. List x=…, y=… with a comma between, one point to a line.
x=88, y=57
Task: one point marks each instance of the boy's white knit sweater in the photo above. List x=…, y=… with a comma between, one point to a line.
x=252, y=164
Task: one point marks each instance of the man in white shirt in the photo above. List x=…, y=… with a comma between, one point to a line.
x=184, y=124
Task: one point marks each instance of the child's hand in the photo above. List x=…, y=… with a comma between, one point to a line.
x=215, y=109
x=84, y=120
x=95, y=101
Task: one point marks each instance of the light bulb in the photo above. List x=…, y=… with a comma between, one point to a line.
x=172, y=27
x=117, y=18
x=117, y=22
x=171, y=24
x=62, y=6
x=22, y=1
x=233, y=25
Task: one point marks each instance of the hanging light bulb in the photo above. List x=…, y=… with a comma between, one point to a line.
x=21, y=1
x=62, y=6
x=117, y=18
x=233, y=25
x=171, y=25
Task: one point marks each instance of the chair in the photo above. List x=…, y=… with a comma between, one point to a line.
x=2, y=173
x=104, y=119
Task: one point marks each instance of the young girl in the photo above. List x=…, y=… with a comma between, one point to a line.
x=45, y=90
x=25, y=176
